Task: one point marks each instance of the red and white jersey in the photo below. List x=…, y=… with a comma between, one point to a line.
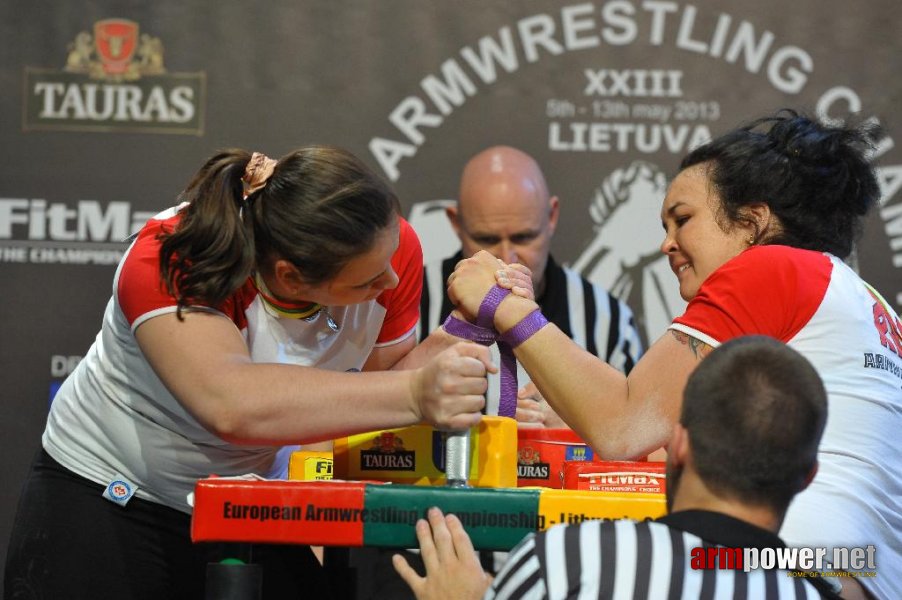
x=820, y=307
x=114, y=418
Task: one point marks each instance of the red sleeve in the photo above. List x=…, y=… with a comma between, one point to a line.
x=139, y=289
x=141, y=292
x=402, y=304
x=766, y=290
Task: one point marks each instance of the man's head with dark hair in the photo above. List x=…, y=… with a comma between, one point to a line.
x=753, y=413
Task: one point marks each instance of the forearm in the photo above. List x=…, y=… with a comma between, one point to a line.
x=303, y=404
x=592, y=397
x=205, y=364
x=619, y=417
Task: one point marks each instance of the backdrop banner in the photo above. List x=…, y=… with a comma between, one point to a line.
x=110, y=107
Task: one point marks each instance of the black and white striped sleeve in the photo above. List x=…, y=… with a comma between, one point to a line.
x=431, y=299
x=629, y=559
x=521, y=576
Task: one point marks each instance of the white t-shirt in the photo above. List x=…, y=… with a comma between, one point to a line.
x=820, y=307
x=113, y=417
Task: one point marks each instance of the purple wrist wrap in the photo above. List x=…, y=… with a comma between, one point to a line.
x=525, y=329
x=483, y=332
x=486, y=316
x=468, y=331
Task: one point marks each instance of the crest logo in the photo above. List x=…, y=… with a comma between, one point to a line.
x=119, y=490
x=109, y=53
x=527, y=455
x=114, y=79
x=530, y=465
x=388, y=443
x=115, y=40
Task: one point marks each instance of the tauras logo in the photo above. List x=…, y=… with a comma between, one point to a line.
x=530, y=465
x=533, y=471
x=114, y=79
x=388, y=454
x=399, y=461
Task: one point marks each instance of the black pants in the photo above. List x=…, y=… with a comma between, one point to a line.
x=70, y=543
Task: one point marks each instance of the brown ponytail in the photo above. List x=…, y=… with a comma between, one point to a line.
x=211, y=252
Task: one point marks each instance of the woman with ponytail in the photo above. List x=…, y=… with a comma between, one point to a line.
x=238, y=323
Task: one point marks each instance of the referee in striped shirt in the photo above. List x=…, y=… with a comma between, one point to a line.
x=752, y=417
x=504, y=207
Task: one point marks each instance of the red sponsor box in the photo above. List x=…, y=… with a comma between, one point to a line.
x=314, y=512
x=541, y=454
x=615, y=476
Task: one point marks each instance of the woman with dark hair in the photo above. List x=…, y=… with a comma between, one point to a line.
x=237, y=323
x=757, y=224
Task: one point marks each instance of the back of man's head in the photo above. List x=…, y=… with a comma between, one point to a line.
x=755, y=410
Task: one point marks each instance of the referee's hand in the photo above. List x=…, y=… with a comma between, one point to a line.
x=453, y=570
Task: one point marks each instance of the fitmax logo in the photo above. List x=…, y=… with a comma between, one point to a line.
x=88, y=221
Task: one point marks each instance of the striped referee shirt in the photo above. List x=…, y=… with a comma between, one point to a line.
x=644, y=560
x=585, y=312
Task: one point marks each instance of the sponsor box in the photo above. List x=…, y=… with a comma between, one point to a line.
x=541, y=454
x=416, y=455
x=310, y=465
x=615, y=476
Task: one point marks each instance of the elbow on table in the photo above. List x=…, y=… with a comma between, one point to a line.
x=619, y=445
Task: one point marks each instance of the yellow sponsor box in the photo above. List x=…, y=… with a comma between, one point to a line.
x=310, y=465
x=416, y=455
x=573, y=506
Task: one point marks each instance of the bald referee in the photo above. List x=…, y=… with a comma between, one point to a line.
x=504, y=206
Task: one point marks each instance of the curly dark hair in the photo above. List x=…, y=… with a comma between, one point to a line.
x=815, y=178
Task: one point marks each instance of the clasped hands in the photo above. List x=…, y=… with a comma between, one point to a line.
x=473, y=278
x=467, y=286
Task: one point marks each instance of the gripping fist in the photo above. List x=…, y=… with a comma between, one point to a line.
x=450, y=389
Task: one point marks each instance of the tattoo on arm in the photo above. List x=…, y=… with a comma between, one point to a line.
x=699, y=349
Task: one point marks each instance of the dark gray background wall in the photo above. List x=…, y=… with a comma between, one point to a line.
x=606, y=94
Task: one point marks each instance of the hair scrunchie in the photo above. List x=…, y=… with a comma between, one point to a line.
x=257, y=172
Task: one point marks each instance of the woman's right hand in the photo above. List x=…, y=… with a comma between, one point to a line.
x=449, y=390
x=471, y=280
